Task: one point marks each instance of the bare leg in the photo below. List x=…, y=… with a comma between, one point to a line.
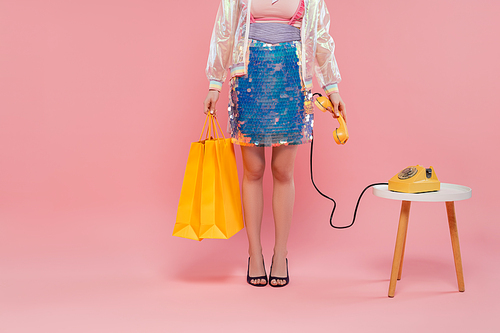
x=282, y=166
x=253, y=204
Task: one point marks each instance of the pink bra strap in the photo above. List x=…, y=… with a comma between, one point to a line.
x=298, y=14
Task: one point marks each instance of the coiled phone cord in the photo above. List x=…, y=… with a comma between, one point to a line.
x=334, y=203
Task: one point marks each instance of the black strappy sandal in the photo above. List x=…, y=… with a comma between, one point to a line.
x=249, y=278
x=271, y=277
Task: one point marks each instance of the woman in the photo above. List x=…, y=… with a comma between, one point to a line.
x=272, y=48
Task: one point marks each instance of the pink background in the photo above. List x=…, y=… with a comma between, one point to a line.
x=99, y=101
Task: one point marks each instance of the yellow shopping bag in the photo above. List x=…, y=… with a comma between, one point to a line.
x=187, y=223
x=210, y=203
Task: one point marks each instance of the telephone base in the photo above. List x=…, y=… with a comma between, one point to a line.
x=415, y=187
x=415, y=179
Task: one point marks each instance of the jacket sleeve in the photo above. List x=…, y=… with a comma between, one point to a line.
x=221, y=43
x=326, y=67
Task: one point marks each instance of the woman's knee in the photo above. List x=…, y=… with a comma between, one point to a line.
x=282, y=172
x=254, y=171
x=254, y=163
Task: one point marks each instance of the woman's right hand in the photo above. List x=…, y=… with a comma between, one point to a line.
x=338, y=106
x=210, y=101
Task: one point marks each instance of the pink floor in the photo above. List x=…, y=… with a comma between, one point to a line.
x=117, y=272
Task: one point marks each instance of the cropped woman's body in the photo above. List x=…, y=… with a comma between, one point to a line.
x=271, y=103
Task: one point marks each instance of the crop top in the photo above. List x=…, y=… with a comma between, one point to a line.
x=284, y=11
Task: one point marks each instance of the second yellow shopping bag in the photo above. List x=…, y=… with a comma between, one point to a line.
x=210, y=203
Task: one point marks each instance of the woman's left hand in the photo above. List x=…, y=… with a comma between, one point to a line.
x=338, y=105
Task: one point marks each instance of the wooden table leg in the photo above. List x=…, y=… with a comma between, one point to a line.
x=402, y=255
x=452, y=221
x=400, y=241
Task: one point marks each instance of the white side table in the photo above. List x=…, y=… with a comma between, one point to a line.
x=449, y=193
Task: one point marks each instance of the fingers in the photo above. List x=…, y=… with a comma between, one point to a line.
x=336, y=109
x=343, y=110
x=210, y=102
x=206, y=106
x=335, y=100
x=332, y=111
x=209, y=106
x=338, y=105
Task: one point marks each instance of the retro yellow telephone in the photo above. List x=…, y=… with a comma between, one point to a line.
x=340, y=135
x=415, y=179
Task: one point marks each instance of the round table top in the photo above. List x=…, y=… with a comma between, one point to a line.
x=448, y=192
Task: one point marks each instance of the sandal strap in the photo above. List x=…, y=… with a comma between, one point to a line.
x=250, y=278
x=271, y=277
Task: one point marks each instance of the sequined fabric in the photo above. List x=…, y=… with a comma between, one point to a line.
x=269, y=106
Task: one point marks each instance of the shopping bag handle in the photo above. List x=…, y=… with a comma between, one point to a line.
x=214, y=128
x=207, y=135
x=211, y=128
x=220, y=129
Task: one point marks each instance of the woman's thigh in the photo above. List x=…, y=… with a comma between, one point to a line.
x=283, y=161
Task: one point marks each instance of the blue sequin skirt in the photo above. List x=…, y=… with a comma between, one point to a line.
x=269, y=106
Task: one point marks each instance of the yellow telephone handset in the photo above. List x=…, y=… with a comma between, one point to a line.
x=340, y=135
